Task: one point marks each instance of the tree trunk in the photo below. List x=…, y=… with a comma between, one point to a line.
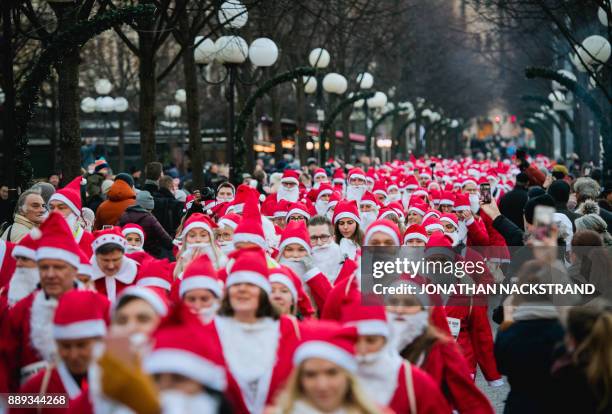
x=9, y=135
x=301, y=135
x=53, y=130
x=276, y=132
x=148, y=85
x=346, y=135
x=121, y=143
x=70, y=135
x=193, y=106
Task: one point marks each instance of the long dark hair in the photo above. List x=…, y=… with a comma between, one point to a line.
x=357, y=236
x=264, y=308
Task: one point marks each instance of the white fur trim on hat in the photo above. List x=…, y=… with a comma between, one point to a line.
x=200, y=282
x=469, y=181
x=360, y=176
x=372, y=327
x=434, y=226
x=367, y=203
x=188, y=364
x=130, y=230
x=196, y=225
x=284, y=280
x=109, y=239
x=347, y=214
x=245, y=276
x=296, y=240
x=289, y=180
x=327, y=351
x=82, y=329
x=416, y=210
x=63, y=199
x=320, y=173
x=383, y=229
x=250, y=238
x=154, y=281
x=418, y=236
x=448, y=220
x=224, y=222
x=60, y=254
x=22, y=251
x=387, y=213
x=85, y=269
x=446, y=202
x=324, y=192
x=148, y=296
x=298, y=211
x=461, y=208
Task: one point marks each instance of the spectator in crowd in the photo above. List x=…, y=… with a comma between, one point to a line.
x=54, y=180
x=120, y=197
x=7, y=206
x=559, y=190
x=525, y=343
x=46, y=190
x=30, y=213
x=582, y=378
x=588, y=189
x=591, y=262
x=511, y=204
x=156, y=237
x=153, y=172
x=168, y=210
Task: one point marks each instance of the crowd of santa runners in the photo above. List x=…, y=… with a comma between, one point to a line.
x=155, y=299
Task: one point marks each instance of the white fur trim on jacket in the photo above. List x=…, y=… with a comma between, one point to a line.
x=41, y=325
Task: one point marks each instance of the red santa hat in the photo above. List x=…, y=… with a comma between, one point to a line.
x=432, y=224
x=379, y=188
x=108, y=236
x=291, y=281
x=85, y=267
x=368, y=199
x=154, y=296
x=334, y=199
x=371, y=176
x=415, y=231
x=198, y=221
x=229, y=220
x=467, y=181
x=338, y=176
x=462, y=202
x=431, y=213
x=181, y=347
x=329, y=341
x=201, y=274
x=295, y=232
x=346, y=209
x=435, y=196
x=155, y=273
x=369, y=320
x=449, y=218
x=411, y=183
x=384, y=226
x=25, y=248
x=291, y=176
x=80, y=314
x=55, y=241
x=70, y=195
x=417, y=206
x=249, y=266
x=319, y=172
x=298, y=208
x=399, y=209
x=131, y=228
x=447, y=199
x=250, y=228
x=324, y=189
x=356, y=173
x=439, y=244
x=420, y=192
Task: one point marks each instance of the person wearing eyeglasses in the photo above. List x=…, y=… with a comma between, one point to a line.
x=325, y=251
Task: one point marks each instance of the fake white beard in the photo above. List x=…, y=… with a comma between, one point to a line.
x=455, y=236
x=133, y=249
x=406, y=199
x=462, y=232
x=367, y=218
x=355, y=192
x=226, y=246
x=406, y=328
x=394, y=197
x=294, y=264
x=291, y=195
x=348, y=248
x=175, y=402
x=225, y=200
x=378, y=373
x=22, y=283
x=41, y=326
x=474, y=203
x=72, y=220
x=328, y=259
x=207, y=314
x=330, y=214
x=321, y=206
x=196, y=249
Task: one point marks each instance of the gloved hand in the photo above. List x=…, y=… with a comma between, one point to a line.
x=308, y=262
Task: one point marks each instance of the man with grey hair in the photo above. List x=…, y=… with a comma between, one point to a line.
x=30, y=213
x=588, y=189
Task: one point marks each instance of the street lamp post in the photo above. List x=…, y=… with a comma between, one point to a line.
x=232, y=52
x=105, y=105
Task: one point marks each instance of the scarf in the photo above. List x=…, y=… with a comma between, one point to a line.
x=535, y=310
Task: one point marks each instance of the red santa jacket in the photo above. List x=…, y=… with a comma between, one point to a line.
x=124, y=278
x=84, y=240
x=287, y=341
x=445, y=364
x=477, y=232
x=319, y=286
x=7, y=263
x=497, y=250
x=429, y=398
x=60, y=382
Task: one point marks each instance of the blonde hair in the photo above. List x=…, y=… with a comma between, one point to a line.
x=182, y=264
x=591, y=328
x=355, y=402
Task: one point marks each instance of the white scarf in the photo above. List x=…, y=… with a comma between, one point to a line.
x=23, y=282
x=378, y=374
x=250, y=353
x=41, y=325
